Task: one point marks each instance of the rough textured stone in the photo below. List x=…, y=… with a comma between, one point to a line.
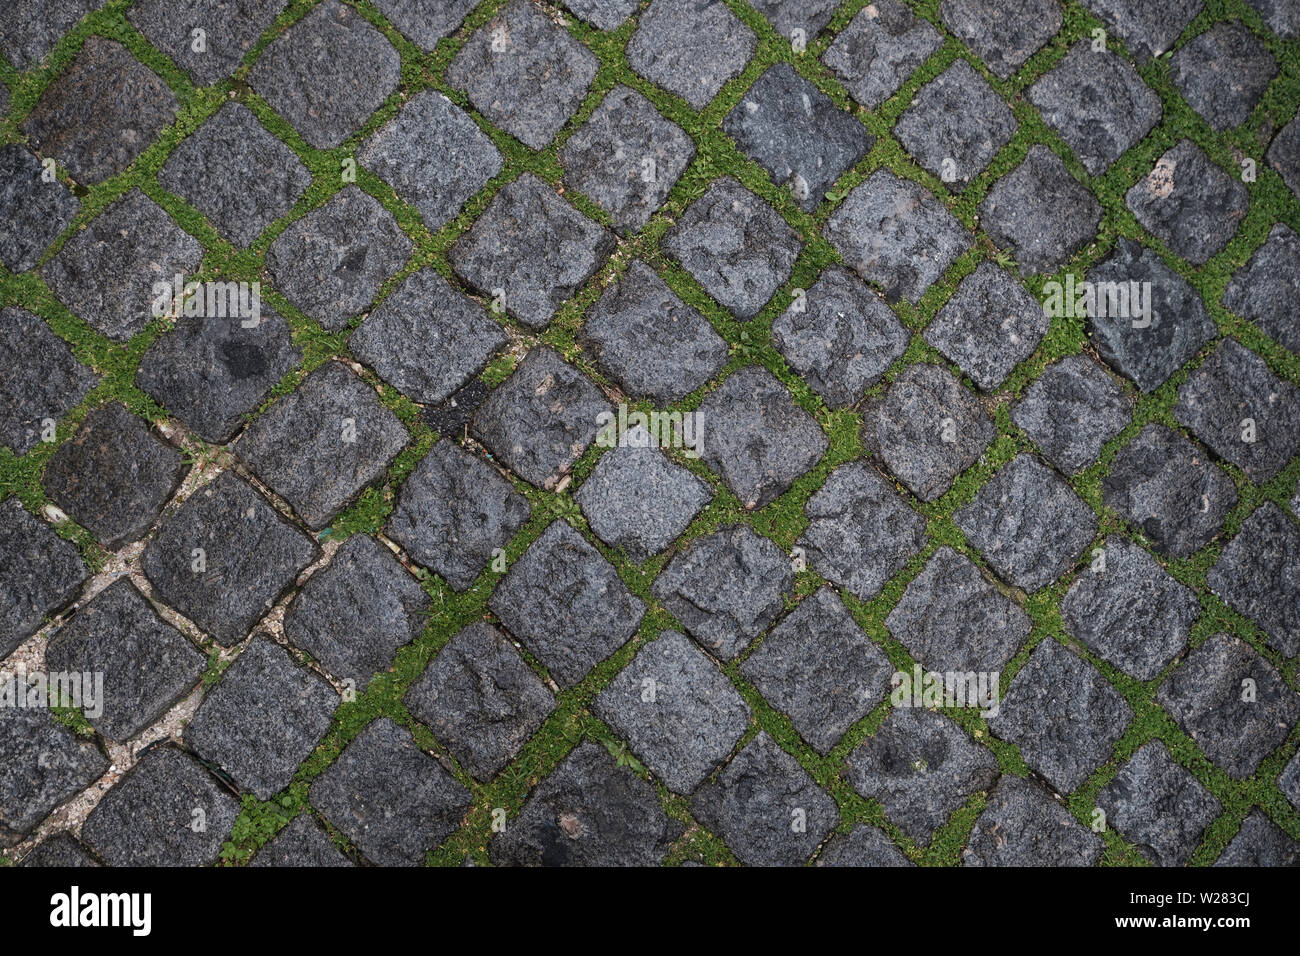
x=1004, y=33
x=1130, y=611
x=604, y=14
x=794, y=131
x=1258, y=575
x=353, y=615
x=481, y=700
x=753, y=801
x=1159, y=806
x=1147, y=29
x=211, y=373
x=302, y=843
x=425, y=22
x=40, y=574
x=390, y=798
x=113, y=477
x=1223, y=74
x=524, y=73
x=921, y=767
x=927, y=429
x=541, y=420
x=808, y=16
x=956, y=125
x=1284, y=154
x=101, y=113
x=454, y=511
x=236, y=173
x=689, y=724
x=862, y=846
x=453, y=416
x=735, y=245
x=532, y=250
x=627, y=158
x=1204, y=696
x=841, y=337
x=39, y=379
x=820, y=669
x=29, y=29
x=644, y=337
x=1169, y=491
x=106, y=272
x=1071, y=411
x=894, y=233
x=33, y=212
x=1190, y=203
x=250, y=556
x=1289, y=782
x=1263, y=289
x=326, y=98
x=1040, y=212
x=332, y=261
x=1282, y=16
x=230, y=29
x=588, y=812
x=147, y=818
x=321, y=445
x=565, y=602
x=63, y=851
x=875, y=54
x=1028, y=523
x=427, y=338
x=990, y=325
x=44, y=764
x=757, y=438
x=147, y=664
x=726, y=587
x=860, y=531
x=690, y=48
x=1023, y=826
x=1098, y=103
x=1260, y=842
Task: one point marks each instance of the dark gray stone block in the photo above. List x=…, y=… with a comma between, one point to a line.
x=40, y=574
x=1289, y=782
x=39, y=379
x=1003, y=33
x=29, y=29
x=1071, y=411
x=1223, y=74
x=1263, y=289
x=1260, y=842
x=604, y=14
x=875, y=54
x=1147, y=29
x=33, y=212
x=63, y=851
x=302, y=843
x=1282, y=16
x=1159, y=806
x=787, y=16
x=862, y=846
x=1258, y=575
x=44, y=765
x=1284, y=154
x=425, y=22
x=1024, y=826
x=690, y=48
x=230, y=29
x=1190, y=203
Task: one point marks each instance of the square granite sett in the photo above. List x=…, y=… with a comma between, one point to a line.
x=33, y=212
x=113, y=477
x=1062, y=714
x=148, y=818
x=454, y=511
x=236, y=173
x=1264, y=289
x=480, y=700
x=353, y=615
x=1284, y=154
x=862, y=846
x=63, y=851
x=44, y=765
x=1098, y=103
x=677, y=711
x=726, y=587
x=1023, y=826
x=327, y=98
x=566, y=604
x=734, y=245
x=820, y=669
x=1260, y=842
x=955, y=125
x=1189, y=202
x=247, y=556
x=389, y=797
x=1156, y=804
x=789, y=17
x=332, y=261
x=860, y=532
x=1282, y=16
x=794, y=131
x=921, y=767
x=532, y=250
x=39, y=379
x=1072, y=410
x=883, y=45
x=29, y=29
x=302, y=843
x=1258, y=576
x=40, y=574
x=1223, y=74
x=319, y=446
x=1147, y=29
x=1289, y=782
x=101, y=113
x=1003, y=33
x=690, y=47
x=756, y=437
x=147, y=664
x=602, y=14
x=525, y=73
x=425, y=22
x=627, y=158
x=106, y=273
x=1130, y=611
x=895, y=233
x=230, y=29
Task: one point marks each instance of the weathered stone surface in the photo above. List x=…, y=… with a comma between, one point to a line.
x=690, y=48
x=1289, y=782
x=1284, y=154
x=808, y=16
x=1223, y=74
x=62, y=850
x=875, y=54
x=301, y=843
x=862, y=846
x=425, y=22
x=1260, y=842
x=353, y=615
x=33, y=212
x=390, y=798
x=1190, y=203
x=602, y=14
x=1148, y=30
x=1263, y=289
x=453, y=416
x=1258, y=575
x=230, y=29
x=565, y=602
x=40, y=574
x=147, y=664
x=893, y=232
x=757, y=438
x=29, y=29
x=1071, y=411
x=249, y=557
x=1156, y=804
x=726, y=587
x=735, y=245
x=1024, y=826
x=44, y=764
x=1004, y=33
x=39, y=379
x=1169, y=491
x=1282, y=16
x=481, y=700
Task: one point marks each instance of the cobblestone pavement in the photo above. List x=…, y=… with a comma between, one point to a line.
x=975, y=321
